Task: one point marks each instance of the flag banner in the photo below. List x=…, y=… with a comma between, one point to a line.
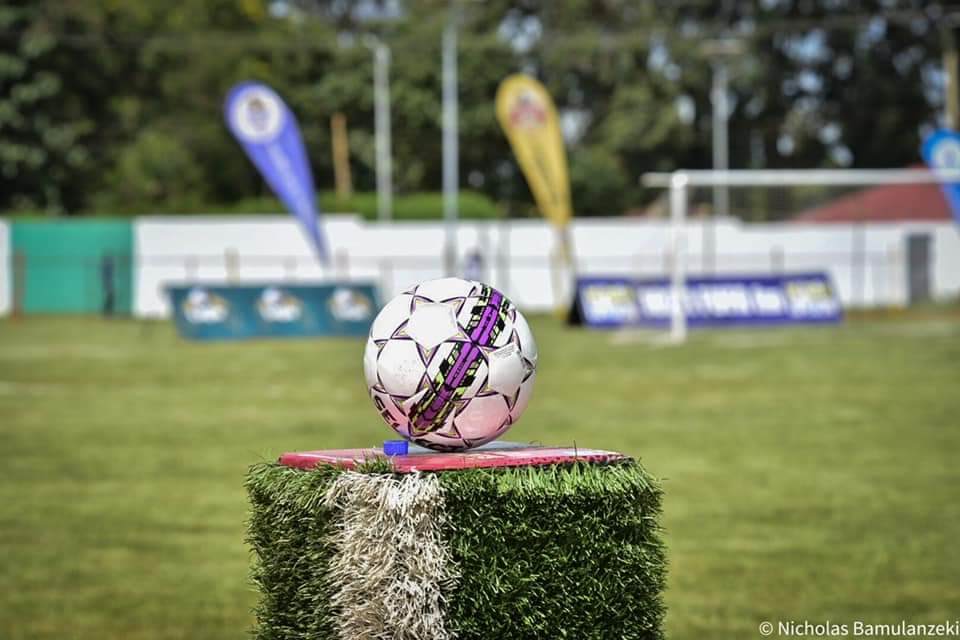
x=268, y=132
x=529, y=119
x=708, y=301
x=941, y=151
x=223, y=312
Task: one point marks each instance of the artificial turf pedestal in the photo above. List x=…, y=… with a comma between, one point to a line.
x=382, y=550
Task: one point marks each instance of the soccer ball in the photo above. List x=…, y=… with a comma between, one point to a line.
x=450, y=364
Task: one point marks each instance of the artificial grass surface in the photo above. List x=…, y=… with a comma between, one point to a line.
x=561, y=551
x=541, y=552
x=288, y=532
x=808, y=473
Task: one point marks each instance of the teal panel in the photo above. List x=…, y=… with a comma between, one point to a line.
x=66, y=265
x=273, y=311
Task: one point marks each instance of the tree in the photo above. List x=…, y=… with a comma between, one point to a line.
x=97, y=95
x=48, y=114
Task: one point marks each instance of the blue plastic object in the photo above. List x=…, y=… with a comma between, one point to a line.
x=395, y=447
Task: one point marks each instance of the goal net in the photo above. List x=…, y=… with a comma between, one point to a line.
x=884, y=237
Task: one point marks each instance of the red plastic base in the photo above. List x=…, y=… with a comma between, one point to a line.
x=500, y=455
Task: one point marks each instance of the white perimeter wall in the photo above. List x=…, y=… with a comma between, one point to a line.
x=867, y=262
x=6, y=269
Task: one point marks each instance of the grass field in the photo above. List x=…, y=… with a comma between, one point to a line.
x=810, y=474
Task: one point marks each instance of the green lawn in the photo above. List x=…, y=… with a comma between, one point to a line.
x=809, y=473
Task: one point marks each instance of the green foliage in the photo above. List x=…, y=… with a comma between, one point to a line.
x=45, y=128
x=557, y=551
x=153, y=173
x=86, y=86
x=597, y=183
x=412, y=206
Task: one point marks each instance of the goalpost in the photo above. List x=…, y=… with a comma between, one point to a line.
x=680, y=183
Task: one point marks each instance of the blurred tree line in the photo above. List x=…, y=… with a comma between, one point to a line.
x=116, y=107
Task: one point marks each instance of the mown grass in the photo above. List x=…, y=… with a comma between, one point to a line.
x=808, y=473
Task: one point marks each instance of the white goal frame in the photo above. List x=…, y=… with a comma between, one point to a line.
x=680, y=182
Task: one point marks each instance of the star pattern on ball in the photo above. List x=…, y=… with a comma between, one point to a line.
x=455, y=362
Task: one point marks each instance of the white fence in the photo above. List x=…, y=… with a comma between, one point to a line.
x=867, y=262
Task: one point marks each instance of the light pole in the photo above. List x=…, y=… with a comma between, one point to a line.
x=451, y=163
x=381, y=105
x=721, y=144
x=720, y=51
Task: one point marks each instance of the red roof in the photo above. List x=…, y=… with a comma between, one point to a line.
x=885, y=203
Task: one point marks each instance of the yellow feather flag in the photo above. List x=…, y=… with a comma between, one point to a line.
x=529, y=118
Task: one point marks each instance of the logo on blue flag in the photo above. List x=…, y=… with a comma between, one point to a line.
x=268, y=132
x=941, y=151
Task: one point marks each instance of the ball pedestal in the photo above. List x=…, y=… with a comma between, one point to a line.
x=505, y=541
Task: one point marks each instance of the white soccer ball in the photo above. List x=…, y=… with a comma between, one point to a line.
x=450, y=364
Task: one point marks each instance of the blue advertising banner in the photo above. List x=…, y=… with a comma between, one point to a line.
x=268, y=132
x=708, y=301
x=221, y=312
x=941, y=150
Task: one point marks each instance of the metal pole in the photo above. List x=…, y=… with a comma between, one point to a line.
x=386, y=278
x=503, y=253
x=381, y=99
x=858, y=251
x=721, y=161
x=451, y=166
x=777, y=259
x=19, y=283
x=678, y=216
x=818, y=177
x=721, y=143
x=720, y=51
x=231, y=263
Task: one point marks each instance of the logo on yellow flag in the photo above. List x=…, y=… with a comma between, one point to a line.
x=529, y=118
